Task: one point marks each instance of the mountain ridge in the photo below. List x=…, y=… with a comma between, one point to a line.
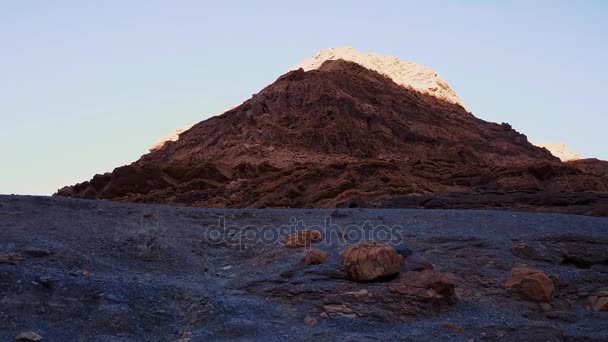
x=331, y=136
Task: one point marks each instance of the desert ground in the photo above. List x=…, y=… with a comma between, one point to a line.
x=94, y=270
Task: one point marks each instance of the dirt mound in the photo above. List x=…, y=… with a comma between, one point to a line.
x=341, y=135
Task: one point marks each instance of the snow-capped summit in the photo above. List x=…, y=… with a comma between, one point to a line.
x=405, y=73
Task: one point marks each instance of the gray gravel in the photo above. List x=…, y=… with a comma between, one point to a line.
x=134, y=272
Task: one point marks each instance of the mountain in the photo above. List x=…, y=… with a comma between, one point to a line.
x=407, y=74
x=342, y=134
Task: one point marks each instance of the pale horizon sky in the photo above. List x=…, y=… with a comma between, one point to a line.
x=86, y=86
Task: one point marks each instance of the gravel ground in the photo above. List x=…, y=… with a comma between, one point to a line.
x=103, y=271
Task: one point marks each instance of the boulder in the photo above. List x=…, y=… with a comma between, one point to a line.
x=426, y=285
x=532, y=284
x=367, y=261
x=302, y=238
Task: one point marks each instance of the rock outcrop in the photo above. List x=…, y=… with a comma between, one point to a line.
x=427, y=285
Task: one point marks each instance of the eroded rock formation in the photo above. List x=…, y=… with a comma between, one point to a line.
x=344, y=135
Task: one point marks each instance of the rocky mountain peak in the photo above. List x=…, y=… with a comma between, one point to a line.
x=405, y=73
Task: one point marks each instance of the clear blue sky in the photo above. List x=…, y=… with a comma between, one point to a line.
x=86, y=86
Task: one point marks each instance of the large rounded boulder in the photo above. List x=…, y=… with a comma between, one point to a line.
x=368, y=261
x=532, y=284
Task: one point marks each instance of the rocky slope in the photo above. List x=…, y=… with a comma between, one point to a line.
x=407, y=74
x=157, y=273
x=342, y=135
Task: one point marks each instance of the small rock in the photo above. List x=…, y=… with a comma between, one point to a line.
x=10, y=259
x=310, y=321
x=37, y=252
x=427, y=285
x=314, y=257
x=302, y=238
x=368, y=261
x=521, y=246
x=532, y=284
x=339, y=310
x=452, y=327
x=44, y=281
x=416, y=262
x=599, y=302
x=358, y=294
x=28, y=336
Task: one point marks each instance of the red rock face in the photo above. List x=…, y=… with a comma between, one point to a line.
x=340, y=135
